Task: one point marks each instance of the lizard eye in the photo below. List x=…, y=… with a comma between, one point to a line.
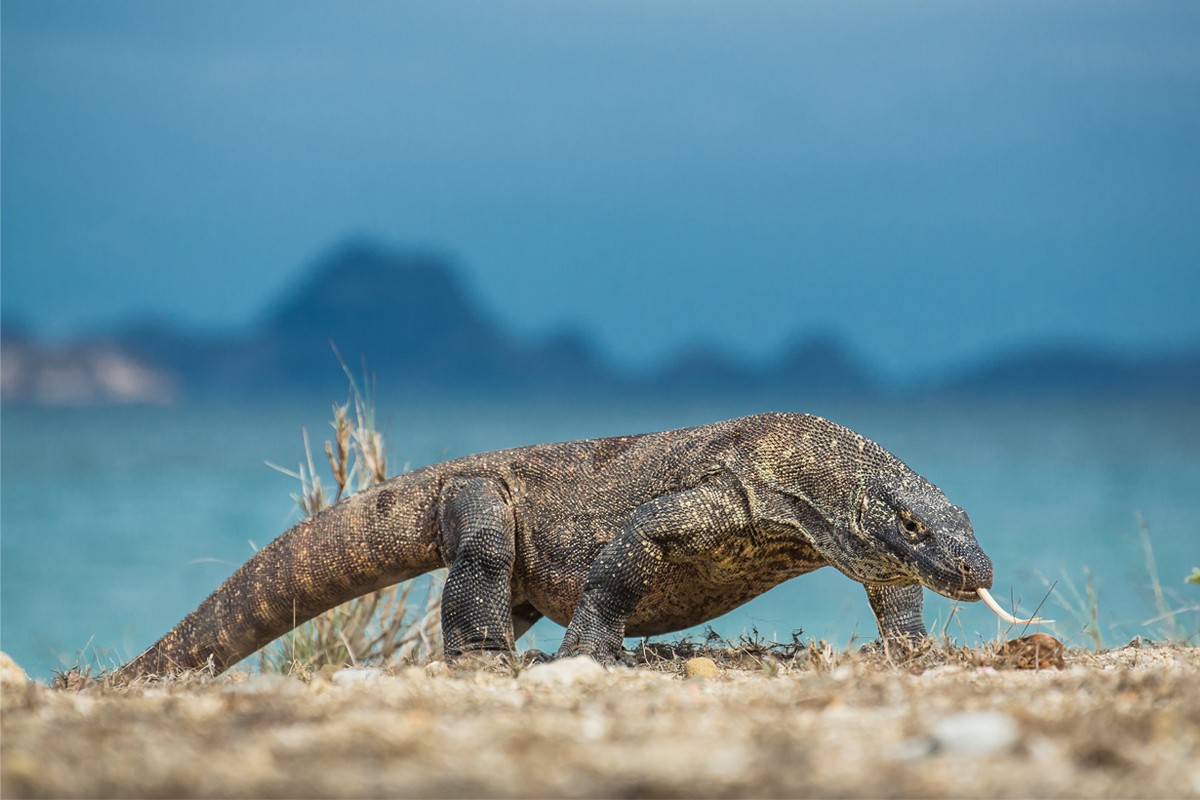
x=912, y=528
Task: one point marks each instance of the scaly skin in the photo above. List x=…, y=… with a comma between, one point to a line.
x=627, y=536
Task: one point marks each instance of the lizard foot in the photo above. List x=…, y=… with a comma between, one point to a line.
x=601, y=655
x=901, y=646
x=532, y=656
x=593, y=634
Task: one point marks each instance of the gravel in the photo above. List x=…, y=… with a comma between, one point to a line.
x=1124, y=723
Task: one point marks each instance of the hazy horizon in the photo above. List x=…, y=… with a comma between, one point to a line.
x=932, y=183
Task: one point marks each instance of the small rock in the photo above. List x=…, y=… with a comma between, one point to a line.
x=563, y=672
x=327, y=671
x=10, y=672
x=345, y=677
x=1038, y=651
x=701, y=667
x=534, y=656
x=437, y=669
x=976, y=733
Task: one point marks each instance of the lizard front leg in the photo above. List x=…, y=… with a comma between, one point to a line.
x=898, y=611
x=671, y=528
x=479, y=545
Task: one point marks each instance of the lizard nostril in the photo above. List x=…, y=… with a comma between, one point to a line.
x=964, y=567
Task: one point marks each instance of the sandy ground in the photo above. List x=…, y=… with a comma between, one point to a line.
x=811, y=722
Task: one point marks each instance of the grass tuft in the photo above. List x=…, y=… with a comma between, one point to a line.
x=1169, y=623
x=1169, y=620
x=1083, y=607
x=398, y=624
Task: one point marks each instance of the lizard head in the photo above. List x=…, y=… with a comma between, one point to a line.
x=866, y=512
x=906, y=530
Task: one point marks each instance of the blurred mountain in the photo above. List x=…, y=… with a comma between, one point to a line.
x=1072, y=370
x=407, y=318
x=704, y=370
x=817, y=366
x=403, y=316
x=402, y=313
x=823, y=364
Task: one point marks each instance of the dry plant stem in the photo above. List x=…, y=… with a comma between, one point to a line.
x=339, y=460
x=385, y=626
x=1168, y=619
x=312, y=498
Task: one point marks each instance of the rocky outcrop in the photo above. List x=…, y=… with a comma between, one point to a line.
x=82, y=374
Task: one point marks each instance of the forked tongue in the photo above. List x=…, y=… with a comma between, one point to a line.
x=991, y=603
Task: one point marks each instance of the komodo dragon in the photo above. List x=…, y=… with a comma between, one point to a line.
x=626, y=536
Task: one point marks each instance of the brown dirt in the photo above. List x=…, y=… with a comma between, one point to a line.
x=807, y=722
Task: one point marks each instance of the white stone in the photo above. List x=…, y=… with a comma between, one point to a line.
x=976, y=733
x=563, y=672
x=345, y=677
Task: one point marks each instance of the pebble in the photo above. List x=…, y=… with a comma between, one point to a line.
x=349, y=675
x=976, y=733
x=701, y=667
x=579, y=670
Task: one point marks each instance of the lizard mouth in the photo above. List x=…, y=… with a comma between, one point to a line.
x=981, y=593
x=955, y=577
x=958, y=582
x=962, y=595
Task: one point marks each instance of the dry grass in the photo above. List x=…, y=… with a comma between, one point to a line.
x=754, y=652
x=774, y=720
x=399, y=624
x=1173, y=610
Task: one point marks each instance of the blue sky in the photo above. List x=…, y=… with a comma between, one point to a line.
x=932, y=181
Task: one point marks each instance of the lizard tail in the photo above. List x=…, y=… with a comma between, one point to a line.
x=373, y=539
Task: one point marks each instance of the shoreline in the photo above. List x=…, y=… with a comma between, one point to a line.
x=950, y=722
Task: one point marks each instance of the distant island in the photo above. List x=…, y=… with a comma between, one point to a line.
x=407, y=317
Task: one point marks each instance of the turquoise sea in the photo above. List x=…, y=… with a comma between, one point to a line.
x=116, y=522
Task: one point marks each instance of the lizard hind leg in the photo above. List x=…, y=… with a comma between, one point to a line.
x=479, y=545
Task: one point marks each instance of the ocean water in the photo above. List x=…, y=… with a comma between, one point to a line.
x=116, y=522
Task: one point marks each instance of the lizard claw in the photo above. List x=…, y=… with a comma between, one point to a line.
x=533, y=656
x=600, y=655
